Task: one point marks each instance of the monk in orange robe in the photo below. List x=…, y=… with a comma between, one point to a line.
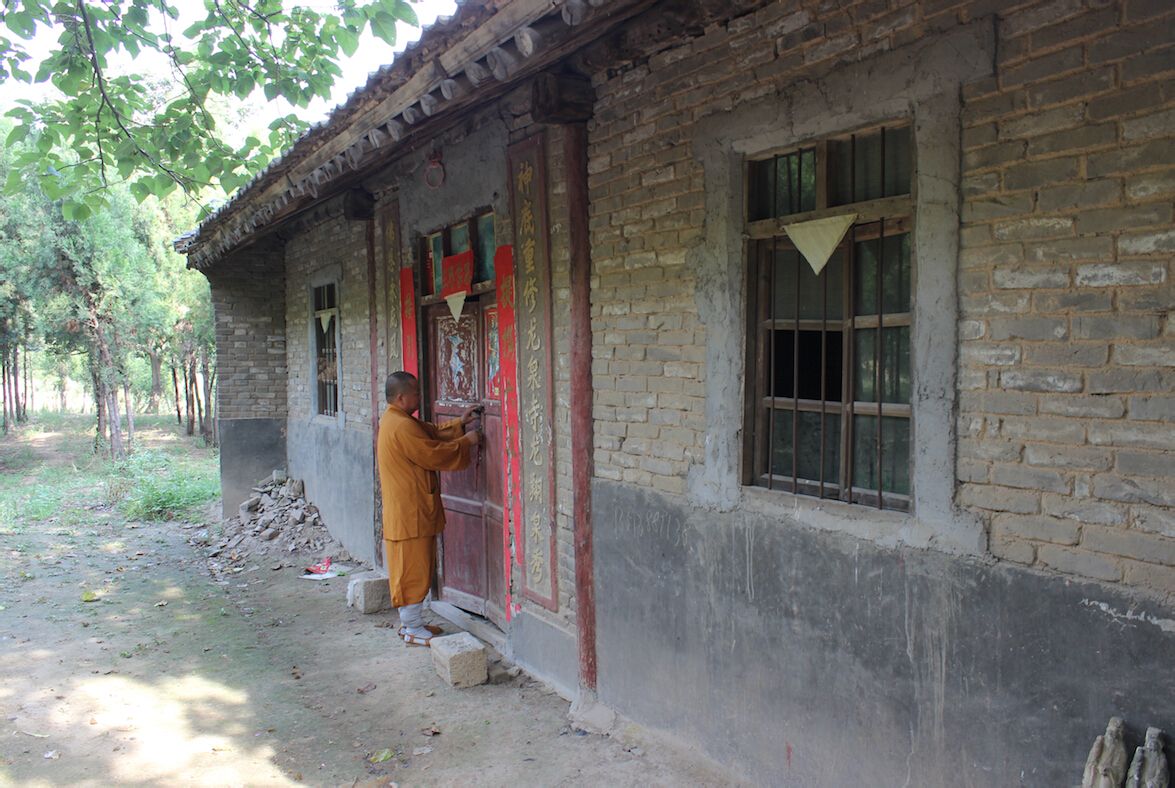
x=409, y=453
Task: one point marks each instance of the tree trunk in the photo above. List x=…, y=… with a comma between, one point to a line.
x=206, y=378
x=130, y=416
x=156, y=381
x=10, y=390
x=213, y=407
x=62, y=381
x=5, y=378
x=99, y=408
x=175, y=384
x=4, y=387
x=104, y=373
x=199, y=404
x=17, y=407
x=28, y=386
x=117, y=450
x=191, y=426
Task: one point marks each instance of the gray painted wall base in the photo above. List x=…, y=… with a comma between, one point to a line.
x=336, y=465
x=250, y=450
x=546, y=652
x=809, y=657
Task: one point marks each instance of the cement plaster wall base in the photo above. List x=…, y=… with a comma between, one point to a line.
x=813, y=658
x=336, y=465
x=250, y=451
x=545, y=651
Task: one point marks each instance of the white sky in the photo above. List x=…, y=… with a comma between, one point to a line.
x=372, y=54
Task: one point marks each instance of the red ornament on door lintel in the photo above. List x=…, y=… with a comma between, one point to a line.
x=457, y=274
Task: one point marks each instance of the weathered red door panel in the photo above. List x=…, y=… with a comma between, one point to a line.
x=461, y=372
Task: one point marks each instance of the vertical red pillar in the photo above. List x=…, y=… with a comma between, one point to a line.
x=582, y=441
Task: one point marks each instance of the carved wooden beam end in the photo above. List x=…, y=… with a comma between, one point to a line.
x=456, y=88
x=528, y=41
x=574, y=12
x=502, y=62
x=477, y=73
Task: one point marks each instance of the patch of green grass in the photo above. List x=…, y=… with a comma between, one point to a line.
x=16, y=457
x=22, y=504
x=64, y=484
x=163, y=487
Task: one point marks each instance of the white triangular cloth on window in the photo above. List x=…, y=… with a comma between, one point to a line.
x=456, y=303
x=324, y=319
x=818, y=238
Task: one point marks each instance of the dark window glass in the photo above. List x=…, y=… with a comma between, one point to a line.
x=484, y=253
x=783, y=185
x=869, y=166
x=459, y=238
x=889, y=258
x=435, y=249
x=893, y=460
x=816, y=351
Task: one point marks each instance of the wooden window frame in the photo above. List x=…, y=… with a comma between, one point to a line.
x=877, y=218
x=427, y=275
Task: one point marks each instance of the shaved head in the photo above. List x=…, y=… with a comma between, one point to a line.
x=399, y=384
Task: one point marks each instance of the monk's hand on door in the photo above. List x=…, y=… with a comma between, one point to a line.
x=472, y=414
x=473, y=437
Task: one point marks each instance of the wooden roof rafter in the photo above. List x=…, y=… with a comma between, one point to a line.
x=521, y=38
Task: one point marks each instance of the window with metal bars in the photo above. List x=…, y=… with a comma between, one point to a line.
x=829, y=377
x=325, y=309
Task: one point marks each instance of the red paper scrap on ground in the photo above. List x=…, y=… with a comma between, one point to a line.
x=319, y=568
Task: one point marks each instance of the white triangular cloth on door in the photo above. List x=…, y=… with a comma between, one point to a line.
x=818, y=238
x=456, y=303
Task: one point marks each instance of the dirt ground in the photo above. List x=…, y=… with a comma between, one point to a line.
x=123, y=660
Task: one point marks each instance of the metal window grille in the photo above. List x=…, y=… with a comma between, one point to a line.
x=326, y=349
x=829, y=355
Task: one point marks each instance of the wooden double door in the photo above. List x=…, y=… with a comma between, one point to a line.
x=461, y=370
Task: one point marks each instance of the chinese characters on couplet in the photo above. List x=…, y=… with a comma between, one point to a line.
x=534, y=395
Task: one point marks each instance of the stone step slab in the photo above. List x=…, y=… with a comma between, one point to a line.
x=459, y=659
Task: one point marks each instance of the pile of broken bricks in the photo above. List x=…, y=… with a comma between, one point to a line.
x=276, y=518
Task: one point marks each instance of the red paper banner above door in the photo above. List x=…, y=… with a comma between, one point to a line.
x=456, y=280
x=456, y=273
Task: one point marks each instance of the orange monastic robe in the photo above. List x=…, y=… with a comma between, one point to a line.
x=410, y=453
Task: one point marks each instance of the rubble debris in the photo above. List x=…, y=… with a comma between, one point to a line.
x=275, y=519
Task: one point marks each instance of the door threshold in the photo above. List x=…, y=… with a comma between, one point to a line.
x=481, y=628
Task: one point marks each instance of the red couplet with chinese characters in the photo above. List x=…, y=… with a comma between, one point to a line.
x=408, y=321
x=508, y=385
x=457, y=274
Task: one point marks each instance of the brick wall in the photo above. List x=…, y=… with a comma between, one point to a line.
x=248, y=300
x=1066, y=353
x=327, y=239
